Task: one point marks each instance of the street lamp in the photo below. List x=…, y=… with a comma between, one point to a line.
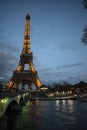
x=1, y=78
x=1, y=86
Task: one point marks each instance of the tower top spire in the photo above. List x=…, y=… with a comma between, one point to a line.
x=27, y=15
x=26, y=48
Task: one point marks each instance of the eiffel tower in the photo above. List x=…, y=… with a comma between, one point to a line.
x=21, y=75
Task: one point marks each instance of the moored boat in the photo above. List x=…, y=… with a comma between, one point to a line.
x=82, y=97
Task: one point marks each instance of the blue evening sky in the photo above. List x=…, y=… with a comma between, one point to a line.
x=56, y=32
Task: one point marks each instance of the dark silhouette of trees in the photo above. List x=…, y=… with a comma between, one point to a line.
x=67, y=87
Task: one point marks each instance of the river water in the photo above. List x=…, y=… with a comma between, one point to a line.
x=50, y=115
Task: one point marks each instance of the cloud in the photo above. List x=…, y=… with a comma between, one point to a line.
x=51, y=75
x=63, y=73
x=72, y=65
x=66, y=46
x=45, y=70
x=8, y=58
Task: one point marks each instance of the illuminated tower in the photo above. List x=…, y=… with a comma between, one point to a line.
x=21, y=75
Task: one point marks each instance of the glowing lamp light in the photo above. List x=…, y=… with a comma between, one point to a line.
x=1, y=78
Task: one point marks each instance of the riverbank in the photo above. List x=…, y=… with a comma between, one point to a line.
x=53, y=98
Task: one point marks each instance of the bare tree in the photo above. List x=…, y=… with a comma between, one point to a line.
x=84, y=37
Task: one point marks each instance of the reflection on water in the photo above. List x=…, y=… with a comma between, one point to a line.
x=50, y=115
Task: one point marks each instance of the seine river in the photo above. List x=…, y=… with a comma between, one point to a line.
x=50, y=115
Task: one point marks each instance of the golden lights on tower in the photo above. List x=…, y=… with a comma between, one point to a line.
x=22, y=75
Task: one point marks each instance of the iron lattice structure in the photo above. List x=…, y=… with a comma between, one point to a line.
x=21, y=75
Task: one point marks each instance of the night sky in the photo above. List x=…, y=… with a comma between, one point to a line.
x=56, y=32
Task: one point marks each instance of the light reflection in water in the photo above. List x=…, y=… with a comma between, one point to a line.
x=49, y=115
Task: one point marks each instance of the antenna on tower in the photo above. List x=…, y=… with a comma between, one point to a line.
x=28, y=15
x=27, y=12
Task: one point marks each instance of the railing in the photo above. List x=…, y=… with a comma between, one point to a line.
x=11, y=94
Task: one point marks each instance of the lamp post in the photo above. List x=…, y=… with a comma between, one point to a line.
x=1, y=78
x=1, y=86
